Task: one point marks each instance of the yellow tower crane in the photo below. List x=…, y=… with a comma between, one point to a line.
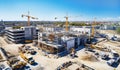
x=93, y=32
x=66, y=24
x=28, y=16
x=93, y=28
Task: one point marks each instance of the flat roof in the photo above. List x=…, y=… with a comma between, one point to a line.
x=15, y=30
x=14, y=40
x=65, y=38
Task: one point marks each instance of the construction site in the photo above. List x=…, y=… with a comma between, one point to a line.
x=52, y=47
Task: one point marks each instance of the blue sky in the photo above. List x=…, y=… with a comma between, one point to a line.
x=48, y=9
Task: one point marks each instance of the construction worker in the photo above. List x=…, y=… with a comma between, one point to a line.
x=73, y=52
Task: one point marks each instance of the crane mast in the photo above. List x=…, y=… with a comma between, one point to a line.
x=66, y=23
x=28, y=19
x=66, y=28
x=93, y=27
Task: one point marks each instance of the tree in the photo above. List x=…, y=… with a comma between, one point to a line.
x=16, y=27
x=118, y=30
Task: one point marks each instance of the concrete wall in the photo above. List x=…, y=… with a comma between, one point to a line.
x=77, y=40
x=40, y=35
x=81, y=30
x=70, y=43
x=30, y=32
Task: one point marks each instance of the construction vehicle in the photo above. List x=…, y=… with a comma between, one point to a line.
x=114, y=38
x=28, y=16
x=27, y=58
x=16, y=64
x=104, y=56
x=31, y=51
x=27, y=49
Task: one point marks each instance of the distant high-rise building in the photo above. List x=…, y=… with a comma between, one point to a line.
x=2, y=26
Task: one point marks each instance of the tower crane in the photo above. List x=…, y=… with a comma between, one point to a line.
x=93, y=27
x=66, y=24
x=93, y=33
x=28, y=16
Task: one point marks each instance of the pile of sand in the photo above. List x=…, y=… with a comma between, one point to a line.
x=89, y=57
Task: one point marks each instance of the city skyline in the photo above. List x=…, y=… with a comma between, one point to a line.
x=46, y=10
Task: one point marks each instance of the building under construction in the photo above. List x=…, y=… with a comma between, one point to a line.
x=22, y=35
x=54, y=42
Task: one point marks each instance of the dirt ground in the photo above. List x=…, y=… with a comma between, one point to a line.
x=45, y=63
x=52, y=63
x=112, y=45
x=11, y=48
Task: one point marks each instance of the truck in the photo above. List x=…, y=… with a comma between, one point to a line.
x=27, y=58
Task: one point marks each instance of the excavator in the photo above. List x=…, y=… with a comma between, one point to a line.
x=27, y=58
x=16, y=64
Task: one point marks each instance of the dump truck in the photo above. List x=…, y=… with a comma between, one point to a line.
x=28, y=58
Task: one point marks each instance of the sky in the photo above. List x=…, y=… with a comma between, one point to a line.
x=46, y=10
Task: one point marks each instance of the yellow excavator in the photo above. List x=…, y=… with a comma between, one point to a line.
x=27, y=57
x=16, y=64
